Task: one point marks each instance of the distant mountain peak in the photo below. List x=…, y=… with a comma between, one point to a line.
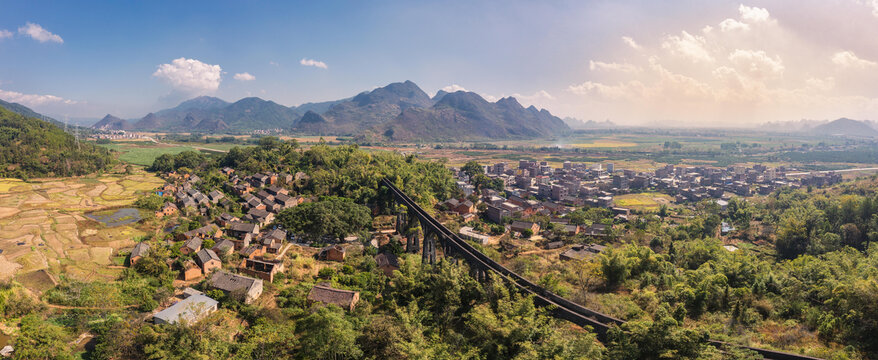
x=846, y=127
x=110, y=122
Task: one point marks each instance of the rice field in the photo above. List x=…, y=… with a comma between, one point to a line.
x=43, y=227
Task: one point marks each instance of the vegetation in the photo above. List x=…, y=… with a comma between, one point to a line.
x=332, y=216
x=30, y=147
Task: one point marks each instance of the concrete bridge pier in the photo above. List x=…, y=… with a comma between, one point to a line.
x=428, y=254
x=412, y=241
x=401, y=221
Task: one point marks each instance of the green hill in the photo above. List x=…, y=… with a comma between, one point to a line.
x=30, y=147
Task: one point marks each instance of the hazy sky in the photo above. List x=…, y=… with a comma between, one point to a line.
x=638, y=62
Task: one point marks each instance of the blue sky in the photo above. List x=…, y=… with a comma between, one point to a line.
x=572, y=57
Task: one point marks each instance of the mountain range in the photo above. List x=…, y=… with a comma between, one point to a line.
x=399, y=112
x=842, y=127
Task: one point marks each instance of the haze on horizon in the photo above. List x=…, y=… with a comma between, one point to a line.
x=717, y=63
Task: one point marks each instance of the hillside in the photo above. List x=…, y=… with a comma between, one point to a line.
x=846, y=127
x=401, y=109
x=466, y=115
x=30, y=147
x=111, y=122
x=26, y=111
x=367, y=110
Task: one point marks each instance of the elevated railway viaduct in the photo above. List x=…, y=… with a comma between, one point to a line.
x=482, y=267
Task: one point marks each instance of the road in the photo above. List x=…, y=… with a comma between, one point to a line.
x=829, y=171
x=194, y=147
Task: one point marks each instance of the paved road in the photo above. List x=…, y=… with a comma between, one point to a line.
x=194, y=147
x=829, y=171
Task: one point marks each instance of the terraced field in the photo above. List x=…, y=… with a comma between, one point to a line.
x=42, y=226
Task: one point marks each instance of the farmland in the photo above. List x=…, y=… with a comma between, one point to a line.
x=44, y=231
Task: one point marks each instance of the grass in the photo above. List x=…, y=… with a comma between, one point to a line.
x=143, y=154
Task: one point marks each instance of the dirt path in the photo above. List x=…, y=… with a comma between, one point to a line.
x=65, y=307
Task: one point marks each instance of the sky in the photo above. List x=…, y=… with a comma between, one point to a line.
x=672, y=63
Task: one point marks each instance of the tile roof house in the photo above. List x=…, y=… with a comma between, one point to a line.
x=239, y=229
x=224, y=246
x=189, y=310
x=191, y=246
x=208, y=260
x=191, y=271
x=580, y=252
x=140, y=250
x=520, y=226
x=346, y=299
x=332, y=253
x=245, y=288
x=387, y=262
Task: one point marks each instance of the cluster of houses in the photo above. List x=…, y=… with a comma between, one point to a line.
x=536, y=188
x=578, y=184
x=259, y=248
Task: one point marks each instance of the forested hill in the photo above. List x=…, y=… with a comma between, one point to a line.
x=30, y=147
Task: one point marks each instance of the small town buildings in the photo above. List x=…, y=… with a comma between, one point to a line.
x=244, y=288
x=189, y=310
x=345, y=299
x=208, y=260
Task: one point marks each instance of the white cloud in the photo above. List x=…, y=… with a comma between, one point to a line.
x=621, y=67
x=757, y=63
x=850, y=60
x=753, y=14
x=633, y=44
x=190, y=75
x=273, y=63
x=37, y=32
x=728, y=25
x=453, y=88
x=687, y=45
x=874, y=5
x=314, y=63
x=33, y=99
x=5, y=34
x=244, y=77
x=538, y=96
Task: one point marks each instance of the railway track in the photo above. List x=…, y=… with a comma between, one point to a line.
x=558, y=306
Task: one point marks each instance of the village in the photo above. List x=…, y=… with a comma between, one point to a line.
x=237, y=255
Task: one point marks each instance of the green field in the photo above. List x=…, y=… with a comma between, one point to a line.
x=144, y=153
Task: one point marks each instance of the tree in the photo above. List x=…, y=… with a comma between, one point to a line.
x=662, y=338
x=39, y=339
x=151, y=202
x=614, y=267
x=472, y=168
x=332, y=216
x=327, y=334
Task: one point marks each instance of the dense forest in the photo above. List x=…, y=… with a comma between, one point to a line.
x=30, y=147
